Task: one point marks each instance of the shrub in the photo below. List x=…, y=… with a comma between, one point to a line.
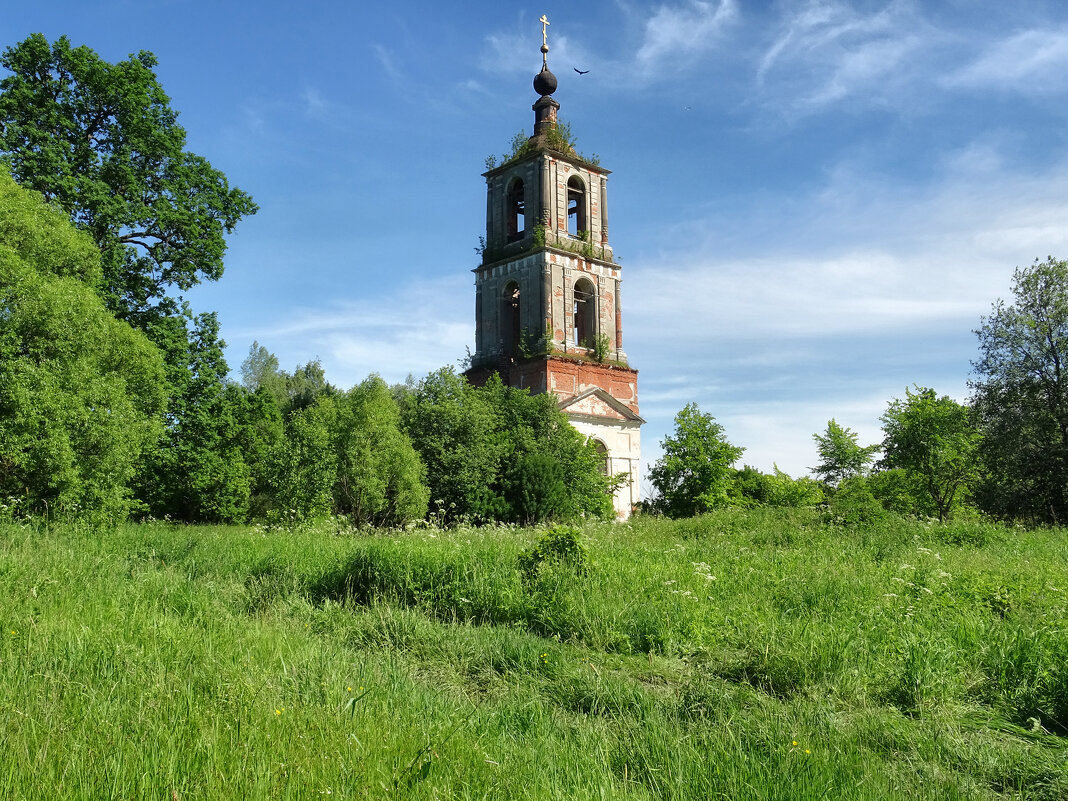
x=560, y=545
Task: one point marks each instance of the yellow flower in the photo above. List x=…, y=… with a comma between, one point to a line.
x=807, y=751
x=349, y=689
x=278, y=711
x=794, y=743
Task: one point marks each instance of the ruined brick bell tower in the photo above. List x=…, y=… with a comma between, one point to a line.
x=547, y=293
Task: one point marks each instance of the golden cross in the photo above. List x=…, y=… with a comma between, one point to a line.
x=544, y=35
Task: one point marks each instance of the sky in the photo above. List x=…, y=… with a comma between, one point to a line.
x=814, y=202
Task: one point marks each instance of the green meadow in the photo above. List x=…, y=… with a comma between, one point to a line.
x=760, y=654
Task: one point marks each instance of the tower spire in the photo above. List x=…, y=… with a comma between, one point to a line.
x=545, y=107
x=544, y=41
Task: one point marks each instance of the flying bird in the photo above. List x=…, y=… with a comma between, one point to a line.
x=580, y=72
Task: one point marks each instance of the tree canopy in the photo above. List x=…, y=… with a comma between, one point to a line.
x=499, y=453
x=1020, y=393
x=80, y=392
x=694, y=475
x=932, y=438
x=102, y=142
x=841, y=456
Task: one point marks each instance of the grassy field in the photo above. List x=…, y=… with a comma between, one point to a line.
x=743, y=655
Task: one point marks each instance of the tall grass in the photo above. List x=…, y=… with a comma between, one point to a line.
x=760, y=654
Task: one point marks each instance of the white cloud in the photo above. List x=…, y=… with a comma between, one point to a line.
x=861, y=257
x=681, y=32
x=1030, y=61
x=828, y=51
x=857, y=291
x=392, y=335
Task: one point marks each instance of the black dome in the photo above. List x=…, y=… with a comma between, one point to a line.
x=544, y=82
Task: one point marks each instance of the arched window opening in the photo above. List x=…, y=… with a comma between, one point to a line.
x=585, y=313
x=606, y=460
x=576, y=207
x=516, y=210
x=510, y=329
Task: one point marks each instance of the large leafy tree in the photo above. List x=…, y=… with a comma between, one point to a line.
x=934, y=440
x=80, y=392
x=694, y=475
x=1020, y=394
x=101, y=141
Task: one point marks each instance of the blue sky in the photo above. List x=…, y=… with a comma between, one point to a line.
x=814, y=202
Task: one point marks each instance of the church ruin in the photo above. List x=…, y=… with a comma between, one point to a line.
x=547, y=293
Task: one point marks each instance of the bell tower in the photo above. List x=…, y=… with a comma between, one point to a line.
x=547, y=293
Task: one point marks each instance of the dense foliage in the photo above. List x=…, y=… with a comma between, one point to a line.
x=841, y=456
x=80, y=392
x=694, y=474
x=101, y=141
x=1020, y=394
x=932, y=438
x=499, y=453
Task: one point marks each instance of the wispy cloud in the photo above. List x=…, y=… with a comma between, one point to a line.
x=827, y=51
x=1031, y=62
x=516, y=51
x=862, y=256
x=315, y=105
x=390, y=335
x=865, y=288
x=677, y=34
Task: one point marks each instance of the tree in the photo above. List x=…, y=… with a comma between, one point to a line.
x=347, y=455
x=933, y=439
x=101, y=141
x=841, y=457
x=1020, y=394
x=199, y=472
x=694, y=474
x=80, y=392
x=260, y=370
x=750, y=487
x=499, y=453
x=379, y=479
x=454, y=431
